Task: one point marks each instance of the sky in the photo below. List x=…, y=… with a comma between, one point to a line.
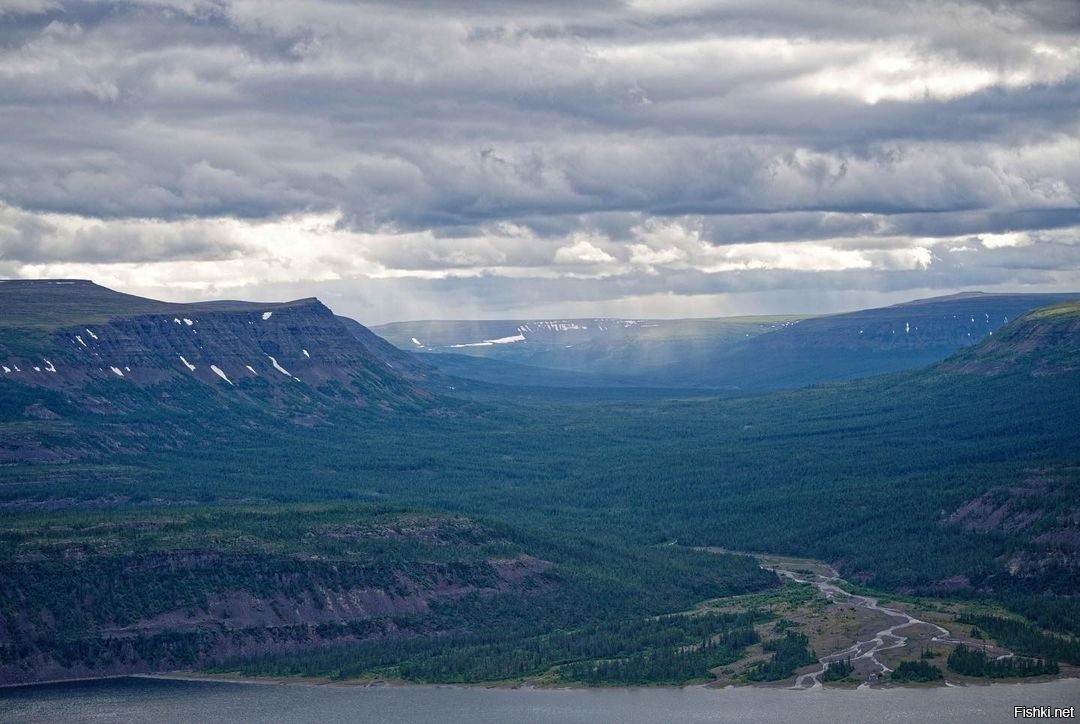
x=439, y=159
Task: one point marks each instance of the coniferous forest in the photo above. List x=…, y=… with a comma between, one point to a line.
x=496, y=532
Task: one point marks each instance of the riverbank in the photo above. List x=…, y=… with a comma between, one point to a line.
x=872, y=634
x=870, y=631
x=537, y=686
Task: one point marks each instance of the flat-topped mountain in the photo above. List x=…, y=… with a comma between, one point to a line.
x=67, y=333
x=736, y=353
x=873, y=341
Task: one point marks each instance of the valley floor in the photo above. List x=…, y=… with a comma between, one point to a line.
x=875, y=632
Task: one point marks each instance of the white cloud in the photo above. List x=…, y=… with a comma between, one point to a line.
x=590, y=149
x=998, y=241
x=582, y=251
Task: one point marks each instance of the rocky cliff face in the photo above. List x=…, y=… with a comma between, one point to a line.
x=64, y=335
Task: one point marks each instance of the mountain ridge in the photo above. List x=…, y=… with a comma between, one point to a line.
x=736, y=353
x=1041, y=342
x=105, y=350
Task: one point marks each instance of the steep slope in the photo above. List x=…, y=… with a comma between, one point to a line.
x=405, y=363
x=1042, y=342
x=86, y=372
x=68, y=334
x=192, y=585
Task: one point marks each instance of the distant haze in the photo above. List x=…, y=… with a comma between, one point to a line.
x=436, y=159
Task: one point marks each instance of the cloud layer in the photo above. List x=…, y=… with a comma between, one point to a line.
x=487, y=158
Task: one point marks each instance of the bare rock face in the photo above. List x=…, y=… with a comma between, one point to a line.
x=70, y=334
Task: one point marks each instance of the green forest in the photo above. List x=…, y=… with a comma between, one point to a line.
x=892, y=479
x=669, y=649
x=972, y=662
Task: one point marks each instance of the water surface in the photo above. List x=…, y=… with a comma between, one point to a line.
x=152, y=700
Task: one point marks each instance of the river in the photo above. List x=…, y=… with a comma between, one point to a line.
x=158, y=700
x=884, y=640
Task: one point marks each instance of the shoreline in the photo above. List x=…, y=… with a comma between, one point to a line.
x=502, y=686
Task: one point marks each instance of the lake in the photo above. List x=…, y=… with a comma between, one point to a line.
x=158, y=700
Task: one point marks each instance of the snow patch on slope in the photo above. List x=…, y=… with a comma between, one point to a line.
x=219, y=373
x=278, y=367
x=490, y=342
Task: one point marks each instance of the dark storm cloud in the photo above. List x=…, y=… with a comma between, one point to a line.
x=597, y=150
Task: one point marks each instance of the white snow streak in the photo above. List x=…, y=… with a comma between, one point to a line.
x=92, y=335
x=49, y=366
x=219, y=373
x=252, y=370
x=278, y=367
x=80, y=340
x=117, y=371
x=187, y=364
x=267, y=315
x=489, y=342
x=564, y=326
x=306, y=353
x=417, y=342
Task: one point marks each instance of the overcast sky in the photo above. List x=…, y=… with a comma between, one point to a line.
x=455, y=159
